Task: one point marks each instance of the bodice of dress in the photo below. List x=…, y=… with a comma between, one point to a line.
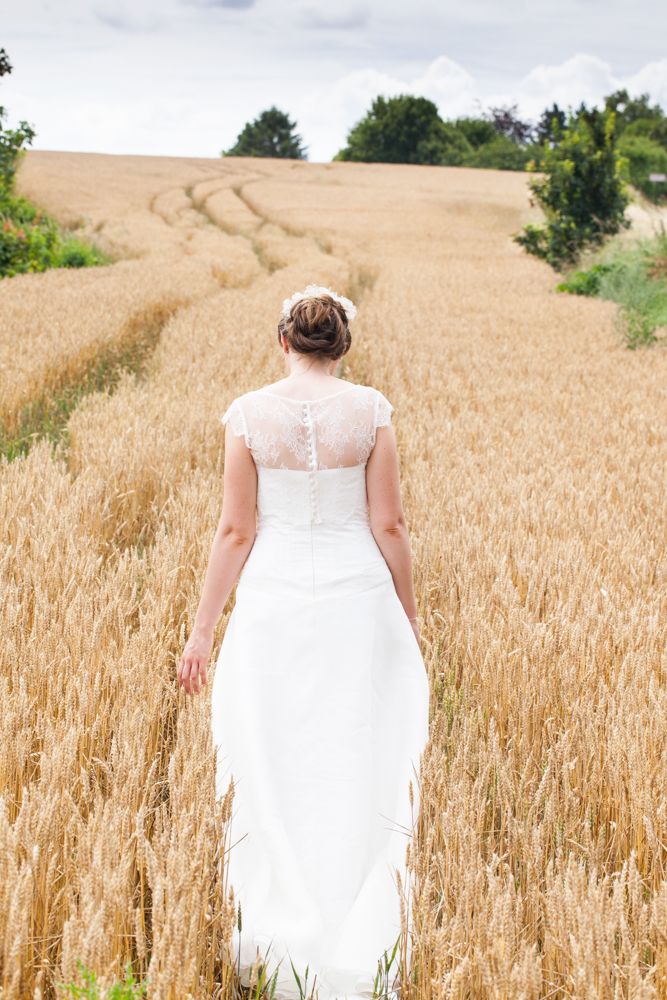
x=310, y=455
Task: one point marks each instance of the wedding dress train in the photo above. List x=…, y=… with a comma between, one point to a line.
x=320, y=704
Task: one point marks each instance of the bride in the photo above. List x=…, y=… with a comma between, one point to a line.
x=320, y=700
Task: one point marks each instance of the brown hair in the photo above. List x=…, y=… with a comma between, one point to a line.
x=317, y=326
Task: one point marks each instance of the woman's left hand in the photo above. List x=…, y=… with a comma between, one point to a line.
x=192, y=668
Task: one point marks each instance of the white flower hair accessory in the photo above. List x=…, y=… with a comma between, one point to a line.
x=313, y=292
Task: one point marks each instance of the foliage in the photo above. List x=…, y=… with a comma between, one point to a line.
x=551, y=124
x=408, y=129
x=628, y=110
x=636, y=278
x=644, y=157
x=12, y=144
x=24, y=250
x=5, y=65
x=585, y=282
x=583, y=194
x=403, y=129
x=477, y=131
x=506, y=122
x=270, y=135
x=129, y=989
x=500, y=154
x=38, y=244
x=30, y=241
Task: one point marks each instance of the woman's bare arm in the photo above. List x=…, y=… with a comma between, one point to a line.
x=231, y=547
x=388, y=520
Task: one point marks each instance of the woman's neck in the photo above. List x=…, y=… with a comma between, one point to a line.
x=308, y=378
x=305, y=367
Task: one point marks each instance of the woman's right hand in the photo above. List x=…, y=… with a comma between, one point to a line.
x=415, y=628
x=192, y=668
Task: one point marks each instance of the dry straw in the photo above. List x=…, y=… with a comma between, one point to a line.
x=533, y=454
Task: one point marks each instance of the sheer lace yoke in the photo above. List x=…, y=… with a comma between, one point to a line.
x=336, y=432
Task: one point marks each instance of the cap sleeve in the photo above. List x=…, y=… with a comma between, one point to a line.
x=236, y=419
x=383, y=411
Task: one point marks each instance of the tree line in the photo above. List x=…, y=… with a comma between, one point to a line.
x=409, y=129
x=584, y=158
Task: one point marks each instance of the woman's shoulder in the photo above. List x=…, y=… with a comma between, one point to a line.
x=370, y=395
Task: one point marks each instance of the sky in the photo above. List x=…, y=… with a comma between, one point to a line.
x=181, y=77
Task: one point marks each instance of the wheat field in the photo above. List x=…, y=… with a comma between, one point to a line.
x=533, y=451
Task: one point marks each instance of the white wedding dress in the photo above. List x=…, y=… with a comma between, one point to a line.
x=320, y=703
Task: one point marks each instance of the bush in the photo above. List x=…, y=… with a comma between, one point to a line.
x=585, y=282
x=477, y=131
x=30, y=246
x=448, y=148
x=583, y=194
x=30, y=241
x=644, y=157
x=24, y=250
x=500, y=154
x=636, y=278
x=71, y=251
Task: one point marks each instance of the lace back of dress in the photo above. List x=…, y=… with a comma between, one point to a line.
x=337, y=432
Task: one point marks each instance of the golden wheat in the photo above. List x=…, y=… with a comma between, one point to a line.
x=533, y=454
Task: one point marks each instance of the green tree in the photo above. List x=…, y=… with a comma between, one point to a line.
x=403, y=129
x=271, y=135
x=630, y=109
x=643, y=157
x=552, y=122
x=478, y=131
x=12, y=144
x=501, y=154
x=583, y=194
x=5, y=65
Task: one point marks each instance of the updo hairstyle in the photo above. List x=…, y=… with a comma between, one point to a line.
x=318, y=326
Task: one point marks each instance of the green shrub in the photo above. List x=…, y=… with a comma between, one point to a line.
x=659, y=133
x=72, y=251
x=30, y=240
x=644, y=157
x=25, y=249
x=635, y=277
x=448, y=148
x=30, y=247
x=477, y=131
x=585, y=282
x=583, y=195
x=500, y=154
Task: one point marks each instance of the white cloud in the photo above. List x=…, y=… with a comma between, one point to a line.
x=327, y=114
x=652, y=79
x=181, y=77
x=581, y=78
x=449, y=86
